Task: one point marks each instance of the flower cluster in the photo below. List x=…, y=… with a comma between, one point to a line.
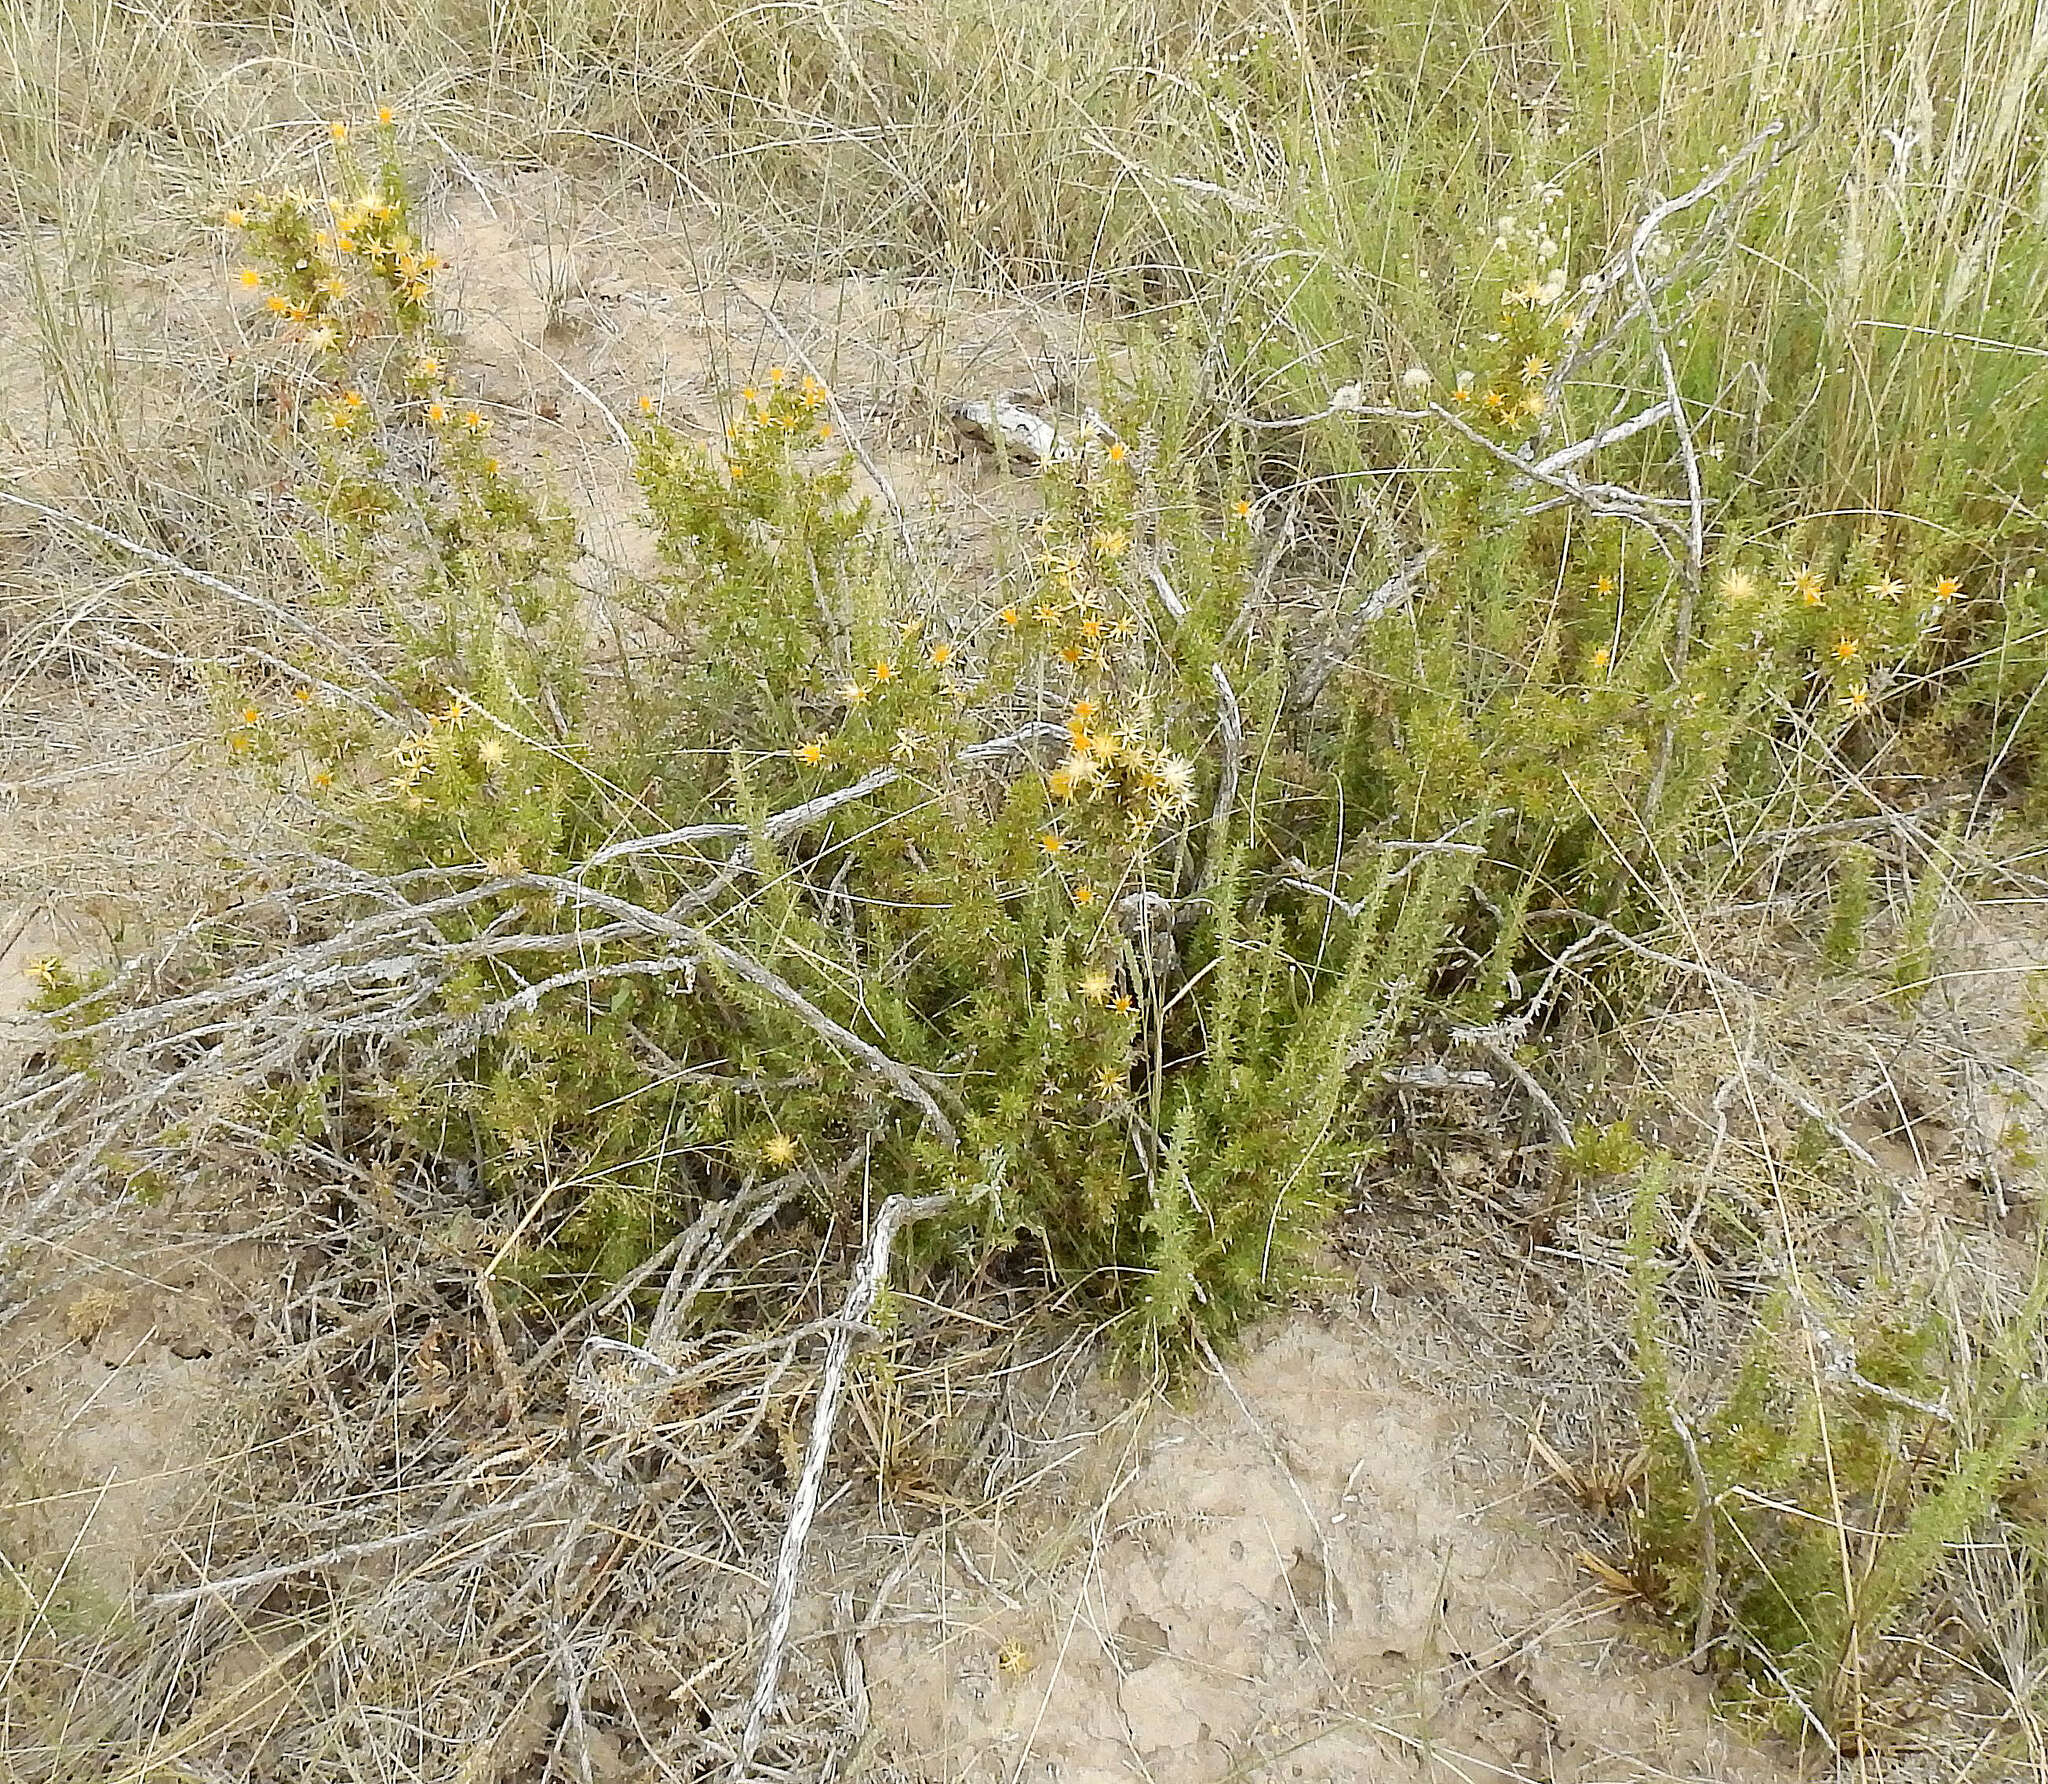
x=337, y=269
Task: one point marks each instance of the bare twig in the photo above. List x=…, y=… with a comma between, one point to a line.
x=860, y=1299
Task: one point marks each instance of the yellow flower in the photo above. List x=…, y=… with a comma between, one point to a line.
x=1602, y=657
x=824, y=430
x=46, y=971
x=1847, y=650
x=1084, y=893
x=322, y=779
x=384, y=114
x=1808, y=586
x=251, y=279
x=491, y=752
x=321, y=340
x=250, y=716
x=647, y=405
x=907, y=744
x=238, y=743
x=236, y=219
x=776, y=374
x=352, y=399
x=942, y=654
x=1462, y=393
x=1242, y=509
x=1046, y=614
x=1109, y=1080
x=853, y=693
x=885, y=670
x=338, y=131
x=304, y=696
x=1084, y=710
x=1856, y=699
x=1604, y=586
x=276, y=305
x=1885, y=588
x=1008, y=616
x=1122, y=1003
x=1948, y=589
x=474, y=422
x=1737, y=586
x=1118, y=452
x=436, y=414
x=1534, y=368
x=1112, y=544
x=337, y=421
x=1052, y=842
x=811, y=753
x=779, y=1150
x=750, y=396
x=1493, y=399
x=426, y=368
x=1532, y=404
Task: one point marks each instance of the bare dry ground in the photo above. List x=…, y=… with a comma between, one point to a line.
x=1367, y=1547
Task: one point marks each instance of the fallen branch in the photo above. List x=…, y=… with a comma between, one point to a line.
x=860, y=1299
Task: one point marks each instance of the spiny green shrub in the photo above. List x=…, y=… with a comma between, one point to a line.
x=1796, y=1521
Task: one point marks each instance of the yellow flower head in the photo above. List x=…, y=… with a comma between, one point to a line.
x=250, y=279
x=1948, y=589
x=1084, y=893
x=322, y=779
x=1808, y=586
x=1112, y=544
x=885, y=670
x=824, y=430
x=250, y=716
x=853, y=693
x=384, y=115
x=812, y=753
x=1097, y=985
x=1118, y=452
x=277, y=305
x=474, y=422
x=1847, y=650
x=437, y=413
x=1009, y=616
x=1885, y=588
x=1242, y=509
x=942, y=654
x=1046, y=614
x=647, y=405
x=321, y=340
x=779, y=1150
x=1604, y=585
x=1856, y=699
x=1109, y=1080
x=1602, y=657
x=235, y=219
x=776, y=374
x=1738, y=586
x=491, y=752
x=1122, y=1003
x=1052, y=842
x=1534, y=368
x=338, y=131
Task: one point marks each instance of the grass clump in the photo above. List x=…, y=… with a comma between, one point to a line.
x=1806, y=1522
